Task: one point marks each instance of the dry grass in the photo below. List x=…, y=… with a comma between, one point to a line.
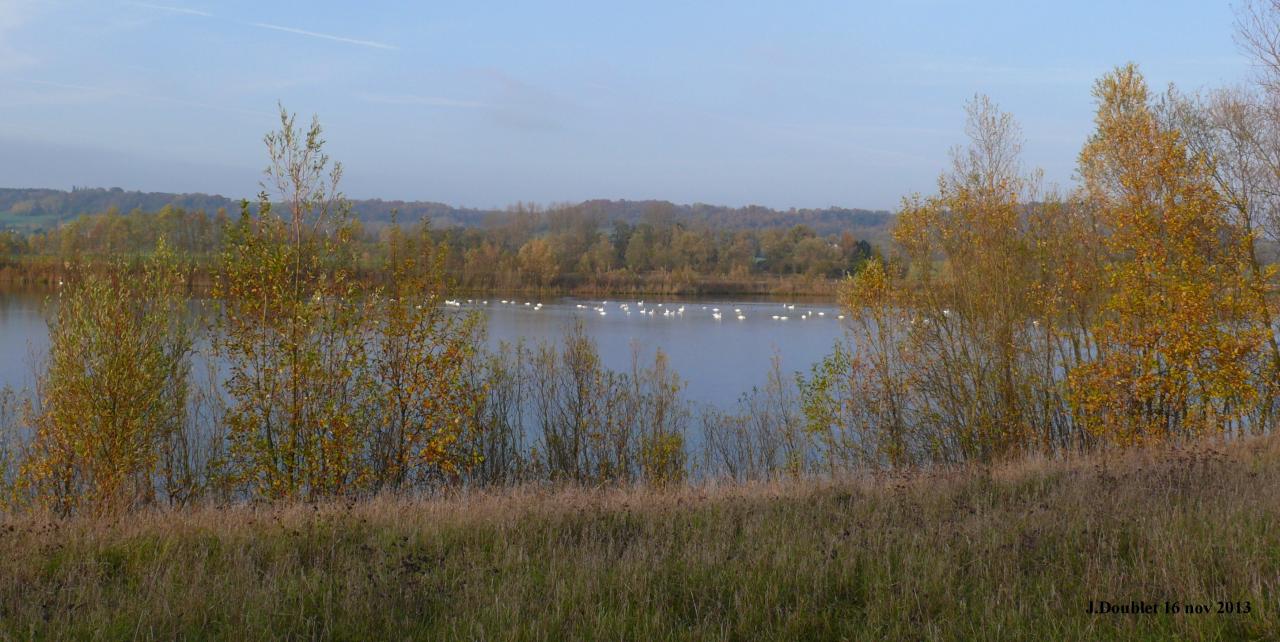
x=1014, y=552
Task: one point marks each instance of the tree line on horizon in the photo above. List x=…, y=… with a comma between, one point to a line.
x=527, y=248
x=41, y=209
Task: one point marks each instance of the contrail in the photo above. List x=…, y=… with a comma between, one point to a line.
x=263, y=25
x=160, y=7
x=313, y=34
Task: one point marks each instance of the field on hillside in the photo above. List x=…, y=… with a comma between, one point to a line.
x=1015, y=552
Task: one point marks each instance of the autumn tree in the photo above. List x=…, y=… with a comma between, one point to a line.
x=949, y=329
x=114, y=396
x=859, y=400
x=538, y=262
x=291, y=329
x=1180, y=333
x=1236, y=132
x=422, y=401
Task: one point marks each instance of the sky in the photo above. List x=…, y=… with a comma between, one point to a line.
x=483, y=104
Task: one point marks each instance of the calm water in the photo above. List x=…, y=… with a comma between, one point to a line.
x=719, y=359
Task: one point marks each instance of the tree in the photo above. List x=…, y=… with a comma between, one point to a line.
x=640, y=250
x=949, y=336
x=291, y=331
x=115, y=394
x=1180, y=333
x=538, y=262
x=422, y=398
x=598, y=259
x=1232, y=131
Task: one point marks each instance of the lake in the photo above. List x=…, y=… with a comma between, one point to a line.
x=718, y=358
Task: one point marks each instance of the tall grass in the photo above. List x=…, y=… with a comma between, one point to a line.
x=1009, y=552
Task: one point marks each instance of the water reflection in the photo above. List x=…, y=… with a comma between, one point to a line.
x=721, y=347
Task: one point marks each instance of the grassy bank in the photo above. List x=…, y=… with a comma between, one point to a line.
x=1015, y=552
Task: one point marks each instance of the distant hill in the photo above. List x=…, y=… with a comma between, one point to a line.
x=34, y=209
x=30, y=209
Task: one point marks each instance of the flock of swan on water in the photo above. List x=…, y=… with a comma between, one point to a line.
x=660, y=309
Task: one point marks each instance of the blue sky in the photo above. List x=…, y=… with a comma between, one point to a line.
x=804, y=104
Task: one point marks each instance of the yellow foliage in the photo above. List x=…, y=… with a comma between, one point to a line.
x=115, y=390
x=1179, y=335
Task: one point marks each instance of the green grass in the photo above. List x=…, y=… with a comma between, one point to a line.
x=1011, y=553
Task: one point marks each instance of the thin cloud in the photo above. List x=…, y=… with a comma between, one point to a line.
x=264, y=25
x=43, y=92
x=933, y=72
x=13, y=15
x=108, y=92
x=197, y=104
x=427, y=101
x=161, y=7
x=325, y=36
x=524, y=106
x=59, y=85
